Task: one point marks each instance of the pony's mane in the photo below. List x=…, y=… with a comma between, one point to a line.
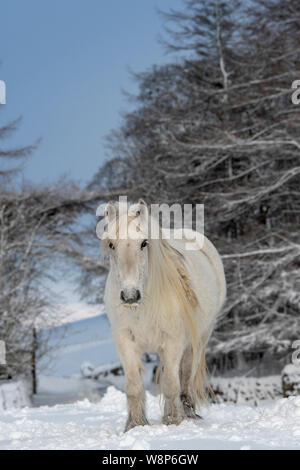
x=170, y=285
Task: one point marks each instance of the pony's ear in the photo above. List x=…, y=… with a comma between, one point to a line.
x=110, y=211
x=142, y=211
x=142, y=202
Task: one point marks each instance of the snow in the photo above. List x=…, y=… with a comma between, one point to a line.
x=291, y=380
x=79, y=311
x=55, y=390
x=13, y=395
x=68, y=313
x=70, y=345
x=292, y=369
x=85, y=413
x=246, y=390
x=87, y=425
x=88, y=370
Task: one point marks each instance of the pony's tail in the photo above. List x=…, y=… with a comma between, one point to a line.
x=202, y=389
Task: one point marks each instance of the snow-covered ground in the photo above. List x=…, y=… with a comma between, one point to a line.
x=70, y=345
x=86, y=425
x=76, y=311
x=90, y=414
x=87, y=340
x=13, y=394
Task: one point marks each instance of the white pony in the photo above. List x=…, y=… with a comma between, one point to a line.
x=160, y=298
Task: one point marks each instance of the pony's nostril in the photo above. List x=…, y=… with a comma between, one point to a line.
x=131, y=297
x=122, y=296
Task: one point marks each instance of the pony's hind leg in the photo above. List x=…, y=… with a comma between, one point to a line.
x=186, y=384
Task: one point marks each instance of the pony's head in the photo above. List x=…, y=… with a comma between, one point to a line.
x=126, y=241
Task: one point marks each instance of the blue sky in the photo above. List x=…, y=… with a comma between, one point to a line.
x=65, y=63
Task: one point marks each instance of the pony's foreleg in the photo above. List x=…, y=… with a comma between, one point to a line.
x=173, y=412
x=131, y=360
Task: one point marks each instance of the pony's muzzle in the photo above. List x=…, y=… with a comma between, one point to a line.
x=130, y=296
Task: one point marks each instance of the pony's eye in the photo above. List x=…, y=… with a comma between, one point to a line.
x=111, y=246
x=144, y=243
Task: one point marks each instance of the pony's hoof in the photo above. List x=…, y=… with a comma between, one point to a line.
x=189, y=407
x=171, y=419
x=132, y=424
x=194, y=415
x=190, y=413
x=129, y=426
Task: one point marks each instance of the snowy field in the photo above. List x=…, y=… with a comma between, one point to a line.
x=83, y=340
x=72, y=344
x=84, y=414
x=86, y=425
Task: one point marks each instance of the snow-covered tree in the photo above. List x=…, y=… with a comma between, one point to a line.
x=39, y=233
x=217, y=126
